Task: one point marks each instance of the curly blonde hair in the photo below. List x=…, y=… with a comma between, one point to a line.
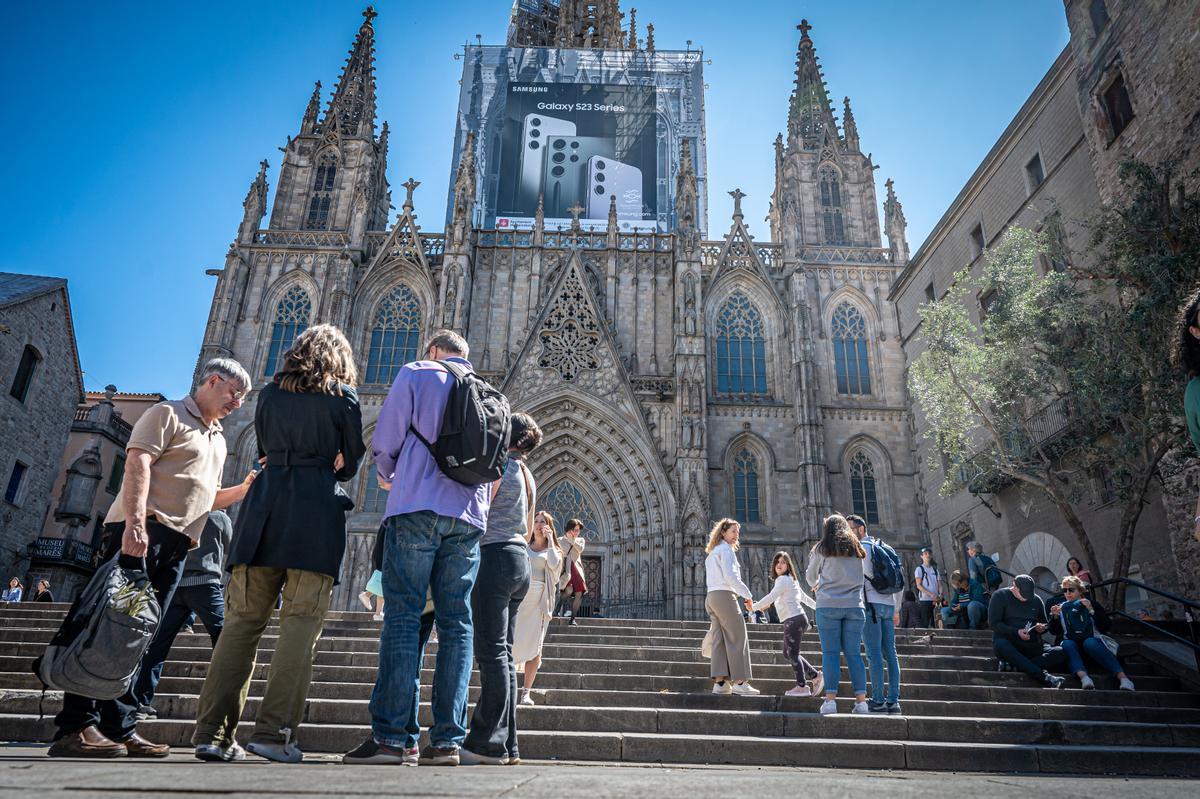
x=318, y=362
x=715, y=536
x=1071, y=581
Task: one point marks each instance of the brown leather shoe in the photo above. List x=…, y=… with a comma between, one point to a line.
x=88, y=742
x=137, y=746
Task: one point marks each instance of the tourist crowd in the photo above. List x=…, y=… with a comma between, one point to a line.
x=464, y=550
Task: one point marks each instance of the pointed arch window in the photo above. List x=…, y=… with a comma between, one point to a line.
x=745, y=487
x=741, y=348
x=565, y=501
x=862, y=487
x=322, y=193
x=374, y=498
x=850, y=359
x=291, y=319
x=395, y=336
x=831, y=206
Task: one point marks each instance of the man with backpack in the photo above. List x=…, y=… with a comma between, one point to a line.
x=173, y=465
x=982, y=570
x=879, y=634
x=441, y=439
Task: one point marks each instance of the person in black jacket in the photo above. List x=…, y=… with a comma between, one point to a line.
x=43, y=593
x=289, y=538
x=1018, y=619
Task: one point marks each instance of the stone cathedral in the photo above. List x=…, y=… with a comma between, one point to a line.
x=678, y=380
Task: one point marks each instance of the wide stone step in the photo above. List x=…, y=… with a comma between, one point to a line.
x=868, y=752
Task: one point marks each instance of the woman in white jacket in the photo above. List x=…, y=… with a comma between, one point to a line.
x=789, y=600
x=731, y=646
x=537, y=608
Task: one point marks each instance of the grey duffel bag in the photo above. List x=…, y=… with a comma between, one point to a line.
x=97, y=650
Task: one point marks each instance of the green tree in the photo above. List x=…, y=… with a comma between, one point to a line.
x=1069, y=373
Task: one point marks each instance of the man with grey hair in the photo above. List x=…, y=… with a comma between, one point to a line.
x=981, y=569
x=172, y=480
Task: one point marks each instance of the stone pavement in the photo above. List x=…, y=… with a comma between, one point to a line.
x=637, y=692
x=26, y=772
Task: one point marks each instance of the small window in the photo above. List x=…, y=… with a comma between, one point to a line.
x=1099, y=13
x=15, y=480
x=117, y=474
x=24, y=376
x=1034, y=173
x=1117, y=106
x=930, y=294
x=986, y=301
x=977, y=240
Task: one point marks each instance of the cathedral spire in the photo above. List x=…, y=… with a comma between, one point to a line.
x=849, y=128
x=464, y=193
x=590, y=25
x=255, y=204
x=353, y=103
x=633, y=37
x=894, y=226
x=810, y=112
x=650, y=37
x=309, y=125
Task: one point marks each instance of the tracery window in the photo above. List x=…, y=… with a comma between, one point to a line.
x=741, y=348
x=862, y=487
x=850, y=360
x=565, y=501
x=395, y=336
x=745, y=487
x=831, y=206
x=570, y=336
x=322, y=193
x=374, y=498
x=291, y=319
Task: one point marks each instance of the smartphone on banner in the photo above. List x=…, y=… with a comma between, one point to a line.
x=536, y=129
x=606, y=178
x=566, y=161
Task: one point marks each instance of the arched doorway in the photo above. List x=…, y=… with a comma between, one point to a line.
x=565, y=501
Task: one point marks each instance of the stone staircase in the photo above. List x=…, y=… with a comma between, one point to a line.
x=638, y=691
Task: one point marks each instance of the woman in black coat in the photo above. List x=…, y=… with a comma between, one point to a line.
x=289, y=539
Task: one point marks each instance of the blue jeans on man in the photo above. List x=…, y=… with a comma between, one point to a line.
x=1095, y=650
x=974, y=613
x=208, y=603
x=879, y=635
x=424, y=552
x=841, y=631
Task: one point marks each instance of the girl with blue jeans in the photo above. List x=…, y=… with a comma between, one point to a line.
x=837, y=566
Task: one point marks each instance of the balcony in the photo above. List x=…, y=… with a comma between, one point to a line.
x=115, y=428
x=1047, y=429
x=63, y=552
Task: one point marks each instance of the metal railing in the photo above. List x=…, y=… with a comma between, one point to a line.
x=1192, y=642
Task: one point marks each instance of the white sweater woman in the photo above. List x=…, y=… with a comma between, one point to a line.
x=731, y=645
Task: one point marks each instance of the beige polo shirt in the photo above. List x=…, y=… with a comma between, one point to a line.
x=186, y=471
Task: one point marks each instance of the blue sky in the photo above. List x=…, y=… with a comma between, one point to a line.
x=134, y=129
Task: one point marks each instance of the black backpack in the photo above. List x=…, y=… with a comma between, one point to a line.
x=991, y=574
x=472, y=444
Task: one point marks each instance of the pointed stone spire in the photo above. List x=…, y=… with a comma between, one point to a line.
x=612, y=213
x=687, y=203
x=589, y=25
x=464, y=193
x=353, y=103
x=309, y=125
x=384, y=132
x=633, y=37
x=650, y=37
x=255, y=204
x=894, y=225
x=849, y=128
x=810, y=112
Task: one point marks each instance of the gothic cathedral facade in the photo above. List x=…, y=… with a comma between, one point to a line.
x=677, y=380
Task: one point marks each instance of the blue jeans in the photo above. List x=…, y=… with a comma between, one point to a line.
x=879, y=635
x=974, y=615
x=208, y=602
x=841, y=631
x=1095, y=649
x=424, y=552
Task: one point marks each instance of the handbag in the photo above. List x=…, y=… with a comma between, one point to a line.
x=710, y=640
x=1109, y=643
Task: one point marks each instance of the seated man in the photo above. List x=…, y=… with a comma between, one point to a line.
x=1018, y=619
x=966, y=601
x=1077, y=619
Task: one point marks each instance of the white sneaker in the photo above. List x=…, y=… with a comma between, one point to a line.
x=232, y=753
x=1086, y=683
x=377, y=616
x=799, y=690
x=818, y=684
x=828, y=707
x=745, y=689
x=861, y=709
x=366, y=599
x=1127, y=684
x=722, y=688
x=286, y=752
x=526, y=699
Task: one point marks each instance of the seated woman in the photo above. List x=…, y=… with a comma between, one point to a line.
x=966, y=600
x=1076, y=618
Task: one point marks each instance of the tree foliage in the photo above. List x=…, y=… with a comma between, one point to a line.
x=1067, y=379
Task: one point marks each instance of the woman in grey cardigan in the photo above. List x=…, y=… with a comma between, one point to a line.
x=837, y=567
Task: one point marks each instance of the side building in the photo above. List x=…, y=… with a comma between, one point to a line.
x=1039, y=175
x=41, y=385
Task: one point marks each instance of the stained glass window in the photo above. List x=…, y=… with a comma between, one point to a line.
x=862, y=488
x=322, y=197
x=374, y=498
x=291, y=319
x=850, y=361
x=740, y=348
x=831, y=206
x=745, y=487
x=565, y=501
x=395, y=337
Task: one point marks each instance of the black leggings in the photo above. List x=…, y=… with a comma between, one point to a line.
x=793, y=630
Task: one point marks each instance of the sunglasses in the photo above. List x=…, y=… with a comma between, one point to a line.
x=1070, y=590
